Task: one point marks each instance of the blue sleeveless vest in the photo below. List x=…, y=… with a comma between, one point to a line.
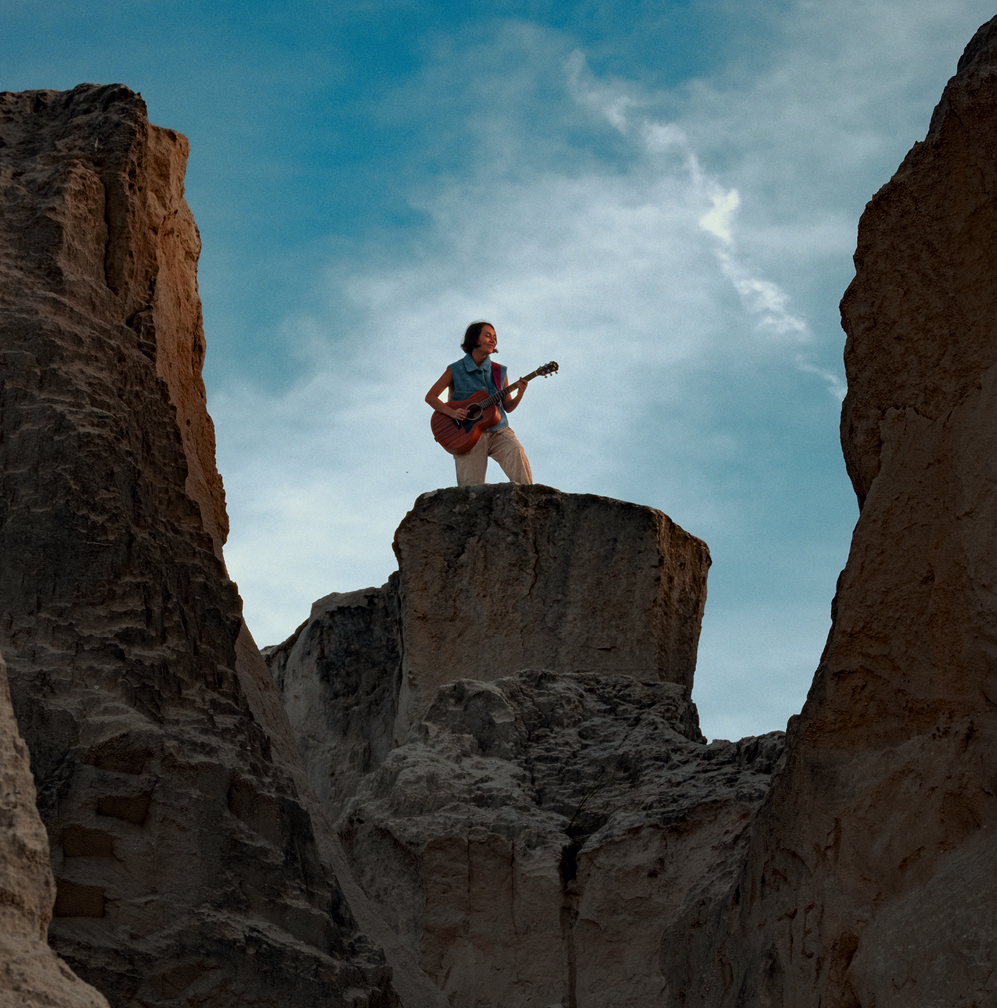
x=468, y=377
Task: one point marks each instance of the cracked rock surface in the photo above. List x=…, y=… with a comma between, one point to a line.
x=532, y=835
x=538, y=837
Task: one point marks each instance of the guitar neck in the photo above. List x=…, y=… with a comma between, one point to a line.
x=503, y=392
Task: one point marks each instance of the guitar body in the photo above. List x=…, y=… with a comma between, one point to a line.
x=459, y=438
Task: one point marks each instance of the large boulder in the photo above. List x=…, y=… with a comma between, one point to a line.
x=501, y=577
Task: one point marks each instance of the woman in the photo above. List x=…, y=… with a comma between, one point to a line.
x=474, y=373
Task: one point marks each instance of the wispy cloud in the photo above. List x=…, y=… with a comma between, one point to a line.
x=761, y=298
x=674, y=270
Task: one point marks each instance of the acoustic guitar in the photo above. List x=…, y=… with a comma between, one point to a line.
x=460, y=436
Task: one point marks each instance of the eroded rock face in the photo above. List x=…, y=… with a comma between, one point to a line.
x=538, y=837
x=870, y=880
x=541, y=839
x=502, y=577
x=339, y=678
x=188, y=866
x=31, y=975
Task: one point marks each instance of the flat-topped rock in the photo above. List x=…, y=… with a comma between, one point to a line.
x=501, y=577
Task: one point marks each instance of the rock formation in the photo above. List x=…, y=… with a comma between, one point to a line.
x=31, y=975
x=499, y=578
x=188, y=865
x=536, y=826
x=525, y=813
x=869, y=880
x=491, y=580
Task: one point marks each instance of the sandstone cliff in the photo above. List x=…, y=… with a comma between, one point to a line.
x=870, y=877
x=536, y=827
x=188, y=865
x=31, y=975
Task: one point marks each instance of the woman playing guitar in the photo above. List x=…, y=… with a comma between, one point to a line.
x=458, y=429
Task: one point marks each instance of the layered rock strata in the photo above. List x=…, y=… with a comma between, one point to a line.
x=31, y=975
x=535, y=836
x=870, y=878
x=188, y=865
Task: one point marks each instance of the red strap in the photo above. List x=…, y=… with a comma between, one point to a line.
x=497, y=378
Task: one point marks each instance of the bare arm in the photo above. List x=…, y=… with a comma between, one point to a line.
x=433, y=397
x=512, y=401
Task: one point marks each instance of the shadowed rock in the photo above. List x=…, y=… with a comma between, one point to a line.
x=31, y=975
x=188, y=867
x=870, y=879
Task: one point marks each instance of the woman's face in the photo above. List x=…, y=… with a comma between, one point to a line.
x=487, y=339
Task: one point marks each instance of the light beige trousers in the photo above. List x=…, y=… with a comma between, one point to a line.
x=500, y=445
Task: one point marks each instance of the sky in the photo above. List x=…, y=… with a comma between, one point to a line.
x=661, y=195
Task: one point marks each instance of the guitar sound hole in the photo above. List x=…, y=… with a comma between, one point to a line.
x=473, y=412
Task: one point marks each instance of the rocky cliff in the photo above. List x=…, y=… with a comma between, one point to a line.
x=538, y=823
x=187, y=862
x=513, y=795
x=869, y=880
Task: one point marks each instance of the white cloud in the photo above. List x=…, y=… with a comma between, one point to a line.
x=667, y=291
x=760, y=297
x=717, y=220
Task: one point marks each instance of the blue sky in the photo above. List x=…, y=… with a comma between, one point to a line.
x=662, y=196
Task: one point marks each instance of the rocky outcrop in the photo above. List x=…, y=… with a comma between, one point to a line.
x=189, y=867
x=870, y=877
x=491, y=579
x=31, y=975
x=497, y=578
x=537, y=839
x=533, y=835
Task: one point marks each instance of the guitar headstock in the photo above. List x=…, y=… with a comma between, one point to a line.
x=547, y=369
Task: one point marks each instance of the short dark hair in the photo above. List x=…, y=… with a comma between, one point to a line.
x=471, y=334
